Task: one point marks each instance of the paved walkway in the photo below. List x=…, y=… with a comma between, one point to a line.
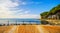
x=13, y=29
x=34, y=29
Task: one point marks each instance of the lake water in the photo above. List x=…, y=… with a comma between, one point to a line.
x=20, y=21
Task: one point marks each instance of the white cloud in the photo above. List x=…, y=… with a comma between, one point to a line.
x=6, y=12
x=24, y=3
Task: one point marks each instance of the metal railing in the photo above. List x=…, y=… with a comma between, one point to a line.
x=7, y=22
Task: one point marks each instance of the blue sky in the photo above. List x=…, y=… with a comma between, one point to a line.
x=39, y=6
x=25, y=8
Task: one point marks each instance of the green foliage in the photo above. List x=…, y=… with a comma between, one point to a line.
x=44, y=13
x=53, y=11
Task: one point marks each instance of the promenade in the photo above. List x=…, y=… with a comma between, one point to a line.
x=30, y=29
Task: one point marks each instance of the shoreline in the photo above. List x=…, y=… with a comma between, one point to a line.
x=56, y=22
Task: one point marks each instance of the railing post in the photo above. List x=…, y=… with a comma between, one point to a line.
x=23, y=22
x=8, y=22
x=16, y=22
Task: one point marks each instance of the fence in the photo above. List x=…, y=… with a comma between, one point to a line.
x=8, y=22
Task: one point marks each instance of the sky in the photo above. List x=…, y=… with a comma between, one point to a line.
x=25, y=8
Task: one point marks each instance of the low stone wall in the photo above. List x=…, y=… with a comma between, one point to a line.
x=55, y=22
x=51, y=21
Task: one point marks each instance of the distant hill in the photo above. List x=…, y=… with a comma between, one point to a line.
x=53, y=11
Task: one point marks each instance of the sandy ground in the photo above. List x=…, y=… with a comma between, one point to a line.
x=30, y=29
